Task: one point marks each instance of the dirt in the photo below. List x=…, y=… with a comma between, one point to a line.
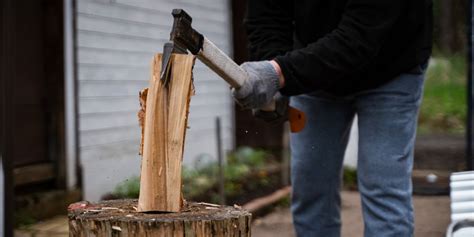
x=432, y=217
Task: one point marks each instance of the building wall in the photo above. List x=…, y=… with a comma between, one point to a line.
x=350, y=156
x=116, y=40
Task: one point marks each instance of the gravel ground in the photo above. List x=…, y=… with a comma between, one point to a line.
x=431, y=218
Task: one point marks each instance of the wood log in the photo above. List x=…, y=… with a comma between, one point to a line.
x=259, y=203
x=120, y=218
x=164, y=130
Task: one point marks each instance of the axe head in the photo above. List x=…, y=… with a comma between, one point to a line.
x=182, y=38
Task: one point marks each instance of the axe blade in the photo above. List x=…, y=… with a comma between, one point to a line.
x=165, y=63
x=168, y=49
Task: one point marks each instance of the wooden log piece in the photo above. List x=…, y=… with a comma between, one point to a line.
x=166, y=113
x=121, y=218
x=141, y=116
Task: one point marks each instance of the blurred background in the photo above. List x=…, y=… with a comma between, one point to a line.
x=71, y=73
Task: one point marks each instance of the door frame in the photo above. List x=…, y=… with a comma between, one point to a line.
x=6, y=48
x=71, y=161
x=470, y=91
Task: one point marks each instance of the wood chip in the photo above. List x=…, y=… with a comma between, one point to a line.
x=109, y=208
x=208, y=204
x=93, y=210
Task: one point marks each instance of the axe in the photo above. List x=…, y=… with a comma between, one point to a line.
x=184, y=38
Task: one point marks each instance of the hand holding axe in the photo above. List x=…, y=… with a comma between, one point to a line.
x=184, y=38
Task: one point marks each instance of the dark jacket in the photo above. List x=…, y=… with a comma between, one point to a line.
x=339, y=46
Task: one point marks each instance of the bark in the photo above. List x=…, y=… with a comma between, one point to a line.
x=121, y=218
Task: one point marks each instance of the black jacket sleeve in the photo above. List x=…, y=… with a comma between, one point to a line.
x=269, y=25
x=349, y=49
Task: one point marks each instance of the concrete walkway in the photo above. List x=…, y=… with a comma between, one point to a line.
x=431, y=218
x=54, y=227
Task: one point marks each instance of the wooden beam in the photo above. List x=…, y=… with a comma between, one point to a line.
x=259, y=203
x=470, y=95
x=163, y=136
x=33, y=173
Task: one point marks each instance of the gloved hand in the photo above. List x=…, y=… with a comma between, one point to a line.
x=260, y=87
x=279, y=115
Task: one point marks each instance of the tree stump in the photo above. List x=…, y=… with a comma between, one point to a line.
x=121, y=218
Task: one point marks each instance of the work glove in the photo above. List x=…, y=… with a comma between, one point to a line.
x=279, y=115
x=260, y=87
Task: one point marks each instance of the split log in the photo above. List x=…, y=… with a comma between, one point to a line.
x=166, y=113
x=120, y=218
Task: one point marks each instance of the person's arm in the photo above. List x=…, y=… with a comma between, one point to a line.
x=269, y=25
x=347, y=50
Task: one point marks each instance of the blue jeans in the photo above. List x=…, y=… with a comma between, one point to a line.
x=387, y=120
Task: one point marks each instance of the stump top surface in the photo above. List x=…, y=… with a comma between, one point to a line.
x=126, y=210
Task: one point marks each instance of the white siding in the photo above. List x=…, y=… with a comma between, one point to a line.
x=116, y=40
x=350, y=156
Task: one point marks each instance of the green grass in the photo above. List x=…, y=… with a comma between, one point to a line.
x=444, y=102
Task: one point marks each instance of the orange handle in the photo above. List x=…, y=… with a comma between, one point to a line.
x=297, y=119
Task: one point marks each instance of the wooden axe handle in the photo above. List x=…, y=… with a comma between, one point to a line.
x=225, y=67
x=221, y=64
x=233, y=74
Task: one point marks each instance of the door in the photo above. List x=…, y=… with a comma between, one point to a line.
x=249, y=130
x=36, y=90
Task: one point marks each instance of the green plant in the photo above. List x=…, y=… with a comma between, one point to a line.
x=23, y=219
x=202, y=178
x=240, y=164
x=195, y=182
x=130, y=188
x=284, y=202
x=349, y=177
x=444, y=101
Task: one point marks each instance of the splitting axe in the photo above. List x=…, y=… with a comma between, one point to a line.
x=184, y=38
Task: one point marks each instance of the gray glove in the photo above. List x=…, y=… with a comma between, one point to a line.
x=279, y=115
x=260, y=87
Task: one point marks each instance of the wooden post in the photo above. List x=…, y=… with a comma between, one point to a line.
x=470, y=97
x=164, y=127
x=220, y=162
x=120, y=218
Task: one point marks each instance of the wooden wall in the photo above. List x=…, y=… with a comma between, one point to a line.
x=116, y=40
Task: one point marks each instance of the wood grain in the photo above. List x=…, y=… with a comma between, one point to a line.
x=164, y=133
x=120, y=218
x=141, y=116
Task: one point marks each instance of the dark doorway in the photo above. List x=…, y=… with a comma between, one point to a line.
x=36, y=90
x=250, y=131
